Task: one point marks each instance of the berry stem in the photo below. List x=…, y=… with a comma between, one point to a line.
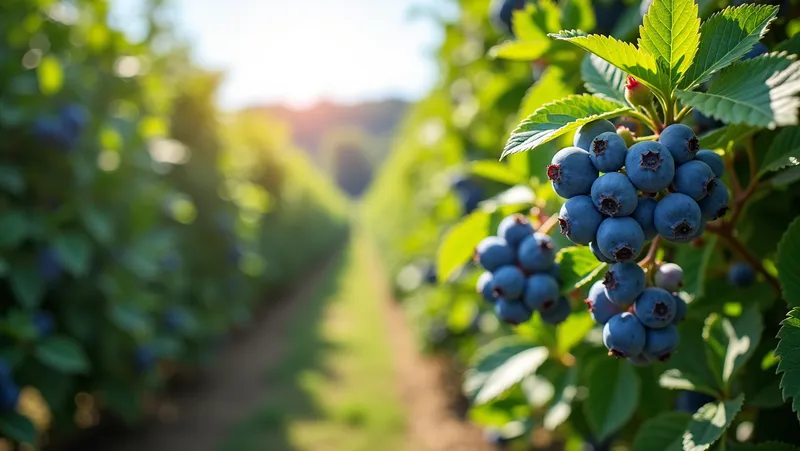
x=547, y=225
x=725, y=231
x=682, y=113
x=646, y=138
x=655, y=121
x=651, y=253
x=737, y=187
x=646, y=120
x=669, y=114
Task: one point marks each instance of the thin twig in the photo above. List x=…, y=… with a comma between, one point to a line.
x=725, y=231
x=551, y=221
x=645, y=138
x=682, y=113
x=644, y=120
x=651, y=253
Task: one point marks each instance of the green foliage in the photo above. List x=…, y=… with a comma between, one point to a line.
x=662, y=432
x=789, y=363
x=613, y=396
x=709, y=423
x=577, y=266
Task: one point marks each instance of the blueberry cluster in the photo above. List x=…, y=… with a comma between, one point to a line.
x=638, y=321
x=521, y=275
x=620, y=197
x=9, y=391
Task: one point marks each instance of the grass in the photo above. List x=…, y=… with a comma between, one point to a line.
x=334, y=388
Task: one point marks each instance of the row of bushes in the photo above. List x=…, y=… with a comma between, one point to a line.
x=138, y=225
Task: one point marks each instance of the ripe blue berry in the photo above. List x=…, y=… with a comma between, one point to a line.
x=623, y=283
x=74, y=117
x=613, y=194
x=508, y=282
x=624, y=335
x=644, y=215
x=650, y=166
x=559, y=313
x=669, y=276
x=555, y=272
x=660, y=343
x=677, y=218
x=695, y=179
x=514, y=229
x=501, y=13
x=608, y=151
x=571, y=172
x=579, y=219
x=620, y=239
x=713, y=160
x=741, y=275
x=599, y=255
x=588, y=132
x=639, y=360
x=9, y=395
x=512, y=312
x=540, y=293
x=537, y=253
x=485, y=286
x=681, y=142
x=493, y=252
x=655, y=307
x=680, y=309
x=715, y=205
x=598, y=304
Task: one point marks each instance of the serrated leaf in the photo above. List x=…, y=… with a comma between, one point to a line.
x=63, y=354
x=577, y=267
x=786, y=177
x=613, y=396
x=17, y=427
x=503, y=369
x=496, y=171
x=558, y=118
x=788, y=264
x=459, y=243
x=671, y=33
x=720, y=137
x=725, y=37
x=603, y=79
x=675, y=379
x=789, y=365
x=783, y=152
x=709, y=423
x=664, y=432
x=760, y=92
x=764, y=446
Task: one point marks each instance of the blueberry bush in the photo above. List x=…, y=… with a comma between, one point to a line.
x=652, y=148
x=137, y=228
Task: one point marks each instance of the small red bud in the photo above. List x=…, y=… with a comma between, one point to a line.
x=636, y=93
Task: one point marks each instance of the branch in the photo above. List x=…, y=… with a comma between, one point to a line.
x=651, y=253
x=725, y=231
x=682, y=113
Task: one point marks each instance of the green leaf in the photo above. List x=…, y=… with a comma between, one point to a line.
x=732, y=341
x=783, y=152
x=13, y=228
x=63, y=354
x=664, y=432
x=12, y=179
x=577, y=267
x=74, y=252
x=789, y=365
x=517, y=50
x=573, y=330
x=709, y=423
x=760, y=92
x=561, y=407
x=720, y=138
x=558, y=118
x=550, y=87
x=613, y=396
x=503, y=368
x=623, y=55
x=496, y=171
x=694, y=264
x=764, y=446
x=691, y=360
x=671, y=33
x=786, y=177
x=577, y=14
x=18, y=428
x=50, y=74
x=458, y=245
x=27, y=285
x=603, y=79
x=675, y=379
x=725, y=37
x=788, y=264
x=98, y=224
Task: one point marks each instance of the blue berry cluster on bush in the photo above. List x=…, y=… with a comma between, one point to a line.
x=618, y=197
x=521, y=274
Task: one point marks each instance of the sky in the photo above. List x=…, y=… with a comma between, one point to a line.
x=298, y=52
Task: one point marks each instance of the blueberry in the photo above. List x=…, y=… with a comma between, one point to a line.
x=757, y=50
x=540, y=293
x=579, y=219
x=514, y=229
x=598, y=304
x=669, y=276
x=644, y=216
x=44, y=323
x=620, y=239
x=650, y=166
x=470, y=196
x=49, y=265
x=655, y=308
x=639, y=360
x=555, y=272
x=588, y=132
x=677, y=218
x=485, y=286
x=713, y=160
x=695, y=179
x=691, y=401
x=501, y=13
x=512, y=312
x=144, y=358
x=74, y=117
x=608, y=151
x=715, y=205
x=599, y=255
x=624, y=335
x=537, y=253
x=559, y=313
x=430, y=274
x=680, y=309
x=741, y=275
x=613, y=194
x=508, y=282
x=571, y=172
x=623, y=283
x=705, y=123
x=9, y=395
x=660, y=343
x=681, y=142
x=493, y=252
x=53, y=132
